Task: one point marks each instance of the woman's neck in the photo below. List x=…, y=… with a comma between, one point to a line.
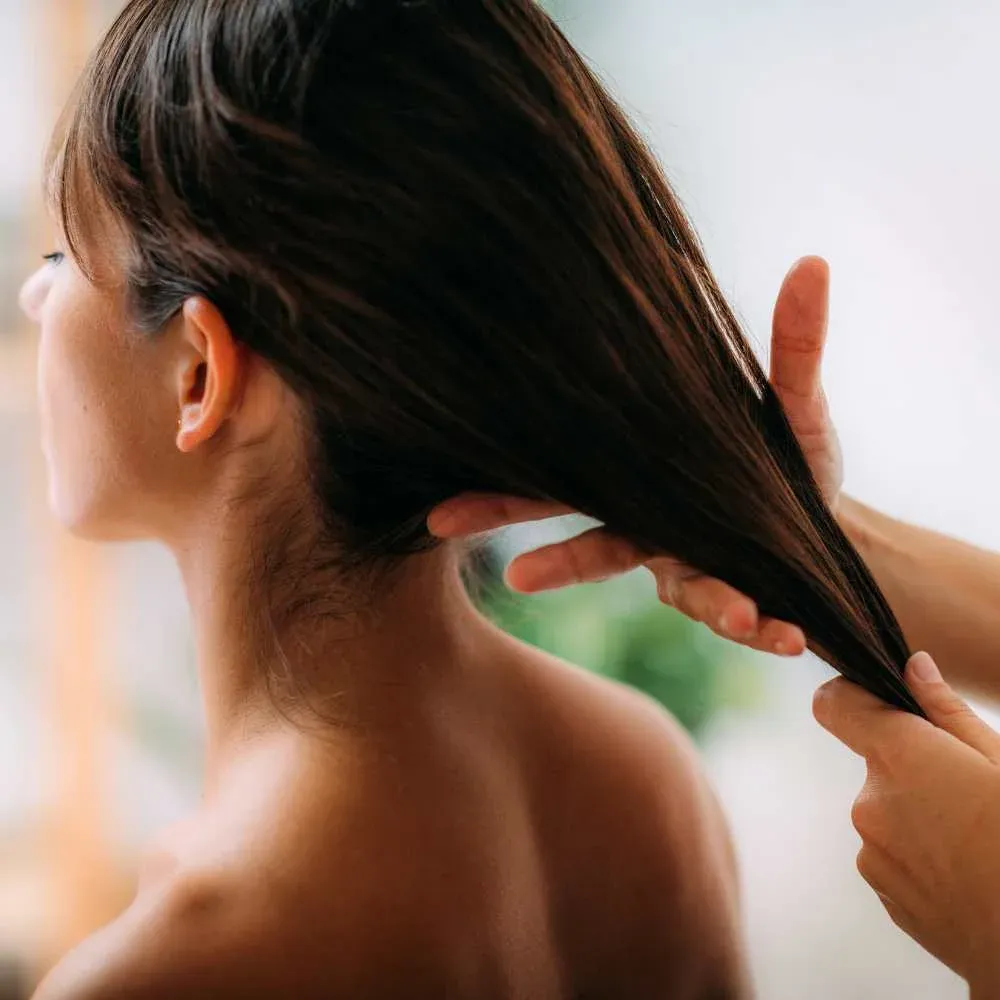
x=367, y=660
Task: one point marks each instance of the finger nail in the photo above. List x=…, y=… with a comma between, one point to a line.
x=924, y=668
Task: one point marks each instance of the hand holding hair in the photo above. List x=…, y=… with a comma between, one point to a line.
x=928, y=816
x=799, y=333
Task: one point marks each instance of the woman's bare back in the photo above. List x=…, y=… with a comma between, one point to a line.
x=535, y=833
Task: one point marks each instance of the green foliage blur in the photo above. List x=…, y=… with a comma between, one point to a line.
x=620, y=629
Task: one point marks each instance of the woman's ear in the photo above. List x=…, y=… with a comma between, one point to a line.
x=209, y=375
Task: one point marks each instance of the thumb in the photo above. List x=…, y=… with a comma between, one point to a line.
x=947, y=710
x=799, y=331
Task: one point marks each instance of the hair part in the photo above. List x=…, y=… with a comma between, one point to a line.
x=441, y=230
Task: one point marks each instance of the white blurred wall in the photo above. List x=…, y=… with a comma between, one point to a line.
x=23, y=120
x=866, y=133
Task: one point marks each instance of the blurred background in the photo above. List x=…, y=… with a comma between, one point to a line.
x=856, y=130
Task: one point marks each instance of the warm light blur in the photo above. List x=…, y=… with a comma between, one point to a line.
x=860, y=131
x=100, y=727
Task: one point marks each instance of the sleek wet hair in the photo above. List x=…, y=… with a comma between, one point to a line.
x=431, y=218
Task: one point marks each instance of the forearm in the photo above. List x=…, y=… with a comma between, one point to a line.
x=986, y=986
x=945, y=593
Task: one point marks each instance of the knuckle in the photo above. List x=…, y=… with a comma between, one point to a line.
x=619, y=555
x=866, y=818
x=692, y=608
x=888, y=762
x=864, y=865
x=668, y=588
x=884, y=756
x=574, y=560
x=869, y=869
x=823, y=702
x=950, y=707
x=596, y=555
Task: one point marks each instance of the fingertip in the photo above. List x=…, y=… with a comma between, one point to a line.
x=813, y=261
x=795, y=643
x=441, y=522
x=512, y=578
x=528, y=576
x=783, y=639
x=800, y=265
x=457, y=516
x=922, y=669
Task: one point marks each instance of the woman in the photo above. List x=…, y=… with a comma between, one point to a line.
x=929, y=813
x=321, y=266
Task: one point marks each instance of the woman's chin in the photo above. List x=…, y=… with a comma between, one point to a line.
x=84, y=520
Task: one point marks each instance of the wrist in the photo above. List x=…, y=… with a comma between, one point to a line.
x=985, y=986
x=982, y=971
x=855, y=522
x=835, y=505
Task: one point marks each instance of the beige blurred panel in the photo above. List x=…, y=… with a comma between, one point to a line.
x=85, y=889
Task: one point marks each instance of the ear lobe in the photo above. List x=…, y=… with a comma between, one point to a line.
x=209, y=381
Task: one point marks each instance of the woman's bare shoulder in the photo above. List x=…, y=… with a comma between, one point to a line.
x=314, y=894
x=622, y=781
x=629, y=734
x=156, y=948
x=312, y=882
x=197, y=937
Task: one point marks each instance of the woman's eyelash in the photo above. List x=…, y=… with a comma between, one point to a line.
x=53, y=258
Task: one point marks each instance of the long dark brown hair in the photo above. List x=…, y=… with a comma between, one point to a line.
x=433, y=220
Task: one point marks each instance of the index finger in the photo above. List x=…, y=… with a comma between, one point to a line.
x=472, y=513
